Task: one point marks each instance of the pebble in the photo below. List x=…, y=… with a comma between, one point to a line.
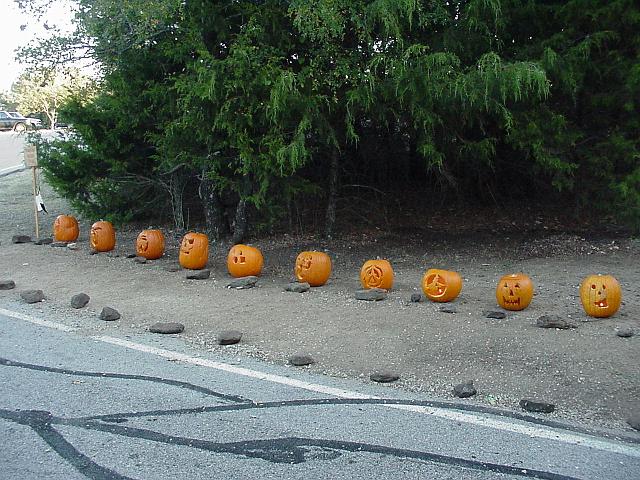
x=537, y=406
x=229, y=337
x=112, y=254
x=44, y=241
x=139, y=260
x=32, y=296
x=446, y=309
x=7, y=284
x=72, y=246
x=416, y=298
x=298, y=287
x=199, y=274
x=496, y=315
x=625, y=332
x=21, y=239
x=371, y=294
x=554, y=321
x=58, y=244
x=80, y=300
x=167, y=327
x=132, y=255
x=384, y=376
x=243, y=282
x=109, y=314
x=465, y=390
x=301, y=359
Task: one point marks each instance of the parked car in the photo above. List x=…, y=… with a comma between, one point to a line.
x=31, y=121
x=16, y=122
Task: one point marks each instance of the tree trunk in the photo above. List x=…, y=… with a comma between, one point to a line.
x=330, y=218
x=241, y=222
x=213, y=210
x=177, y=183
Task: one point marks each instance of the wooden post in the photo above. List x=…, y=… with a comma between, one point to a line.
x=31, y=160
x=35, y=202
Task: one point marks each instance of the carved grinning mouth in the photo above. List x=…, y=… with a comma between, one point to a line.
x=601, y=303
x=515, y=301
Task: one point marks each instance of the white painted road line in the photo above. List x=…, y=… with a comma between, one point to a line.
x=533, y=431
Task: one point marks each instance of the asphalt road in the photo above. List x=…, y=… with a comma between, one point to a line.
x=145, y=406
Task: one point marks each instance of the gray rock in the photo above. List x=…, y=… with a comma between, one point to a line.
x=465, y=390
x=72, y=246
x=32, y=296
x=496, y=315
x=21, y=239
x=80, y=300
x=58, y=244
x=298, y=287
x=416, y=298
x=625, y=332
x=229, y=337
x=93, y=252
x=243, y=282
x=132, y=255
x=199, y=274
x=172, y=268
x=301, y=359
x=537, y=406
x=371, y=294
x=448, y=309
x=44, y=241
x=554, y=321
x=112, y=254
x=7, y=284
x=167, y=327
x=109, y=314
x=634, y=421
x=139, y=260
x=384, y=376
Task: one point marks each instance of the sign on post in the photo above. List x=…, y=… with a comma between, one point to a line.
x=30, y=156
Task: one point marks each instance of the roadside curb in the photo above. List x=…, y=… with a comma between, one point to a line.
x=8, y=171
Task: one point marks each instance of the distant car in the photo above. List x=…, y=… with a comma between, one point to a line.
x=9, y=122
x=30, y=121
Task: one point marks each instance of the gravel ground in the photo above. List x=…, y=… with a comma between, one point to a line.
x=590, y=373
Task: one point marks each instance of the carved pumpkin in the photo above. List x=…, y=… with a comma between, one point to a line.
x=376, y=274
x=441, y=285
x=102, y=237
x=244, y=261
x=150, y=244
x=600, y=295
x=514, y=292
x=65, y=228
x=313, y=268
x=194, y=251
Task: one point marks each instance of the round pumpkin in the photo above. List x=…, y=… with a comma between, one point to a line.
x=65, y=228
x=194, y=251
x=441, y=285
x=150, y=244
x=376, y=274
x=102, y=237
x=514, y=291
x=244, y=261
x=600, y=295
x=313, y=268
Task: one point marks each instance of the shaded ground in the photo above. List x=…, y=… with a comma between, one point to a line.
x=589, y=372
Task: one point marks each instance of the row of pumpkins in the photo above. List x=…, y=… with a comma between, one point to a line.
x=600, y=294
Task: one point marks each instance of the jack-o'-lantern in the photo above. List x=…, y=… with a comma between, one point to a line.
x=244, y=261
x=150, y=244
x=514, y=292
x=194, y=251
x=313, y=268
x=65, y=229
x=600, y=295
x=102, y=237
x=376, y=274
x=441, y=285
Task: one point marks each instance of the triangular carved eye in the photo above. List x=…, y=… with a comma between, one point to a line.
x=517, y=285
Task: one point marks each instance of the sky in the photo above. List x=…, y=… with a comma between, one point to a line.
x=11, y=18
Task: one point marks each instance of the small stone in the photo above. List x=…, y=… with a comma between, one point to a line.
x=44, y=241
x=536, y=406
x=384, y=376
x=625, y=332
x=301, y=359
x=21, y=239
x=58, y=244
x=298, y=287
x=243, y=282
x=554, y=321
x=448, y=309
x=465, y=390
x=7, y=284
x=72, y=246
x=416, y=298
x=496, y=315
x=172, y=268
x=371, y=294
x=93, y=252
x=199, y=274
x=139, y=260
x=229, y=337
x=167, y=327
x=634, y=421
x=132, y=255
x=109, y=314
x=32, y=296
x=113, y=254
x=80, y=300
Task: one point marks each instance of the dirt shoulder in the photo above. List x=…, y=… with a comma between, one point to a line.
x=588, y=372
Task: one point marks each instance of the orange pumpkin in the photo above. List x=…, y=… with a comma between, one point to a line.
x=102, y=237
x=150, y=244
x=600, y=295
x=376, y=274
x=514, y=292
x=65, y=228
x=313, y=268
x=194, y=251
x=441, y=285
x=244, y=261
